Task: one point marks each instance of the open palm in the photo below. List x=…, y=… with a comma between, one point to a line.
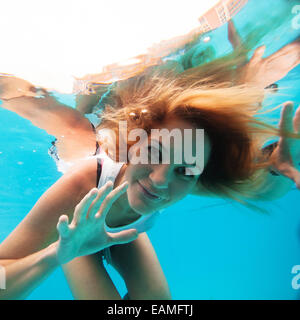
x=86, y=233
x=286, y=156
x=262, y=72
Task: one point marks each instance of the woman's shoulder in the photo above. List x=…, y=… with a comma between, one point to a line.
x=82, y=176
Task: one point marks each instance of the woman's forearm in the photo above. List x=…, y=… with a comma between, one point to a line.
x=49, y=114
x=23, y=275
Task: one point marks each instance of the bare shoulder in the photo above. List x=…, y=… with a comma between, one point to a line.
x=74, y=184
x=38, y=228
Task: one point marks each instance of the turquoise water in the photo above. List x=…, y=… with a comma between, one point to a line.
x=208, y=248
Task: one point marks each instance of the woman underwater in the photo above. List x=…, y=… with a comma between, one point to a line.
x=95, y=194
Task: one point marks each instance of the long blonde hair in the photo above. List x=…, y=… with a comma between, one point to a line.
x=228, y=113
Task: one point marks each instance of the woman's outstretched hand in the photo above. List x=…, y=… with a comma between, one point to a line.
x=286, y=156
x=262, y=72
x=12, y=87
x=86, y=233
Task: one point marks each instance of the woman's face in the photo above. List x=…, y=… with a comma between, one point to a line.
x=155, y=186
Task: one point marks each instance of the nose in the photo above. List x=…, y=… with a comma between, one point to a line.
x=161, y=176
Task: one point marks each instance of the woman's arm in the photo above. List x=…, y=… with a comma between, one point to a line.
x=40, y=107
x=38, y=229
x=22, y=276
x=25, y=252
x=85, y=235
x=75, y=135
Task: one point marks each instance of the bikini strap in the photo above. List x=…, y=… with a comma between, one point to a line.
x=97, y=144
x=99, y=170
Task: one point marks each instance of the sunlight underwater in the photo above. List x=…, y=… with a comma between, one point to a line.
x=208, y=248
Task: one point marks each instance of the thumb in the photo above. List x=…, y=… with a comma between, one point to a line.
x=258, y=53
x=297, y=178
x=233, y=36
x=123, y=236
x=293, y=174
x=297, y=181
x=296, y=122
x=286, y=118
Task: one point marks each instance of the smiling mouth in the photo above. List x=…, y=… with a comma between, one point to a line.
x=149, y=194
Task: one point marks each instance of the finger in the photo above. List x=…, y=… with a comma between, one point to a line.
x=286, y=125
x=102, y=194
x=297, y=179
x=286, y=118
x=82, y=208
x=63, y=226
x=296, y=121
x=258, y=54
x=290, y=52
x=233, y=36
x=110, y=199
x=293, y=174
x=123, y=236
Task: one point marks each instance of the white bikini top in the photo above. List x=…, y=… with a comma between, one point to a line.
x=110, y=170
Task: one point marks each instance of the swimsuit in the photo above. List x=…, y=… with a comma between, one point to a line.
x=108, y=169
x=62, y=165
